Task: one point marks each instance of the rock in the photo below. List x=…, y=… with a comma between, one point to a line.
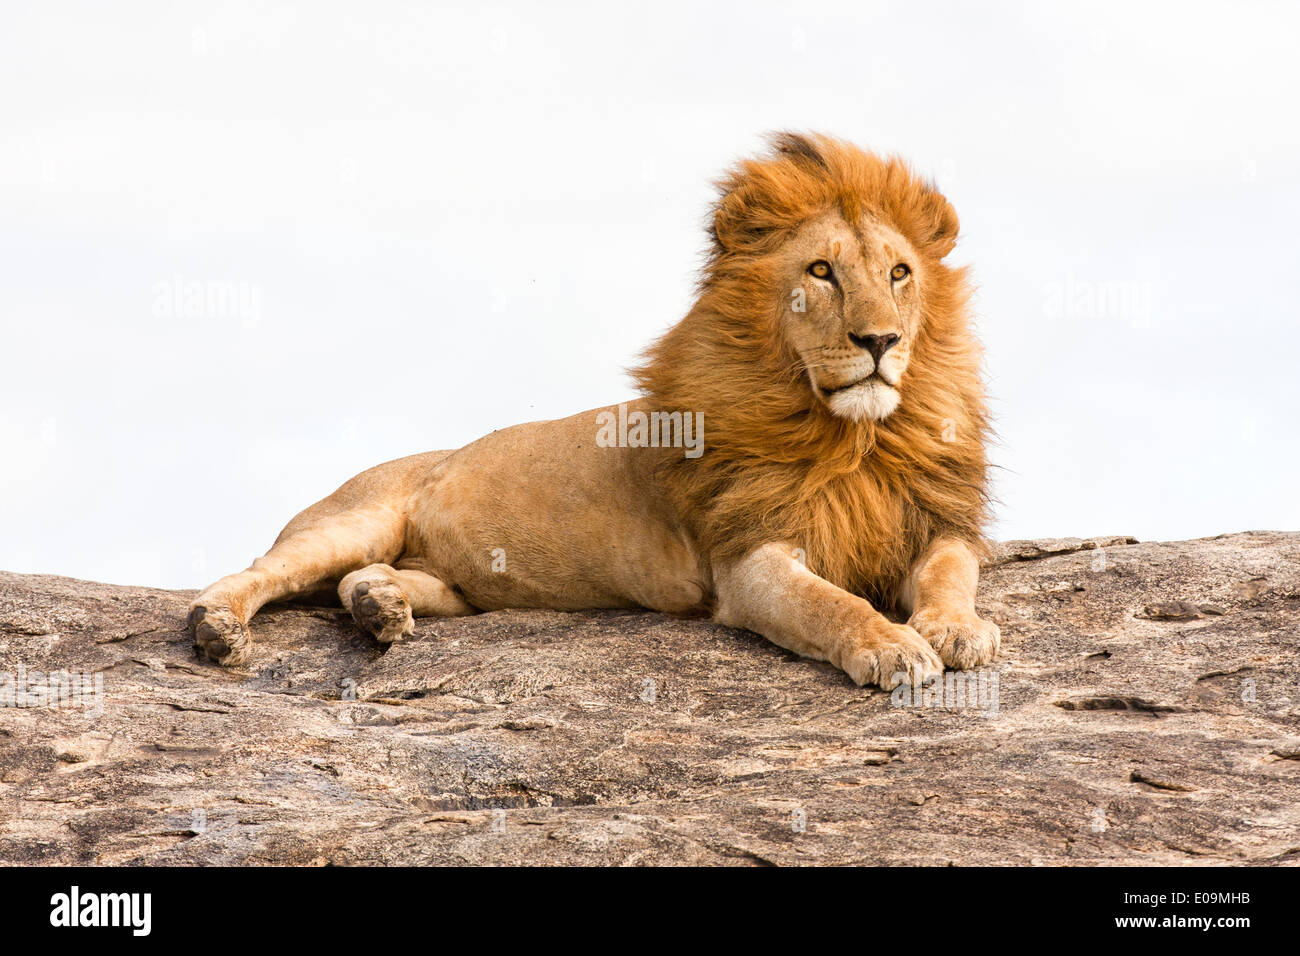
x=1179, y=611
x=1049, y=547
x=1104, y=734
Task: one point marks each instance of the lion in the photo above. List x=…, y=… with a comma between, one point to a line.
x=807, y=456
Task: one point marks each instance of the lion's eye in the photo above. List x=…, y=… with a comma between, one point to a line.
x=900, y=272
x=821, y=269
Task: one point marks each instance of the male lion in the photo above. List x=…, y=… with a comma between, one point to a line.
x=843, y=469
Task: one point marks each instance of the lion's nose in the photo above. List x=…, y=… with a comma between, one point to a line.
x=877, y=345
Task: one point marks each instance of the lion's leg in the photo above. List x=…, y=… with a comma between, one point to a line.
x=772, y=593
x=385, y=601
x=317, y=548
x=940, y=595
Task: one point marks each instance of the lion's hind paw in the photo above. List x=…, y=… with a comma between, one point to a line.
x=219, y=635
x=380, y=608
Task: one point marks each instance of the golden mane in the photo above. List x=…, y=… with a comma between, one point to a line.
x=862, y=499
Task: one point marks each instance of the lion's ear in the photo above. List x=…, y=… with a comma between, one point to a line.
x=733, y=226
x=754, y=196
x=938, y=224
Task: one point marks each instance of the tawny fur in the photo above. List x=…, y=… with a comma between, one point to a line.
x=863, y=499
x=843, y=467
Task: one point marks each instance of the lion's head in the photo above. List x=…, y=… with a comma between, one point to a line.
x=845, y=247
x=851, y=312
x=831, y=354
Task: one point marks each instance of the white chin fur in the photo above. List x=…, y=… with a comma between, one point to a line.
x=870, y=401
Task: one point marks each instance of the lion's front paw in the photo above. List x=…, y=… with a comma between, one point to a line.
x=899, y=656
x=381, y=609
x=219, y=635
x=964, y=641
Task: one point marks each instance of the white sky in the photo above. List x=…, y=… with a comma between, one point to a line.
x=441, y=220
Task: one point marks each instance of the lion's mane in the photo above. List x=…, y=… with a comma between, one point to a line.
x=861, y=498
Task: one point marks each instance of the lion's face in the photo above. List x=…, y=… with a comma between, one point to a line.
x=852, y=311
